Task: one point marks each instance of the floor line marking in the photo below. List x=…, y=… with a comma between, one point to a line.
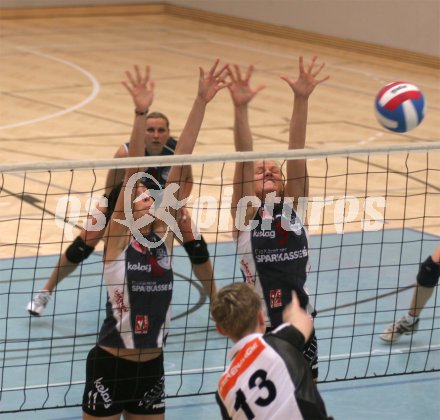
x=90, y=98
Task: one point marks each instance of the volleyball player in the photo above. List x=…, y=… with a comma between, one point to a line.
x=158, y=142
x=274, y=252
x=268, y=377
x=427, y=280
x=124, y=371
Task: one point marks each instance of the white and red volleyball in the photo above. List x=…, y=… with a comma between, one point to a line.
x=400, y=106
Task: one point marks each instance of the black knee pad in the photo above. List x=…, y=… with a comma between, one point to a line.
x=429, y=273
x=78, y=251
x=197, y=251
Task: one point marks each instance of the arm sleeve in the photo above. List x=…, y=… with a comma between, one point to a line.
x=288, y=342
x=224, y=413
x=290, y=334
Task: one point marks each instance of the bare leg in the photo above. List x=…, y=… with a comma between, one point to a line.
x=86, y=416
x=422, y=294
x=419, y=298
x=65, y=267
x=129, y=416
x=206, y=276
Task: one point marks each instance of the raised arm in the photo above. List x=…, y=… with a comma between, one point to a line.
x=115, y=176
x=141, y=90
x=209, y=84
x=242, y=94
x=298, y=317
x=297, y=178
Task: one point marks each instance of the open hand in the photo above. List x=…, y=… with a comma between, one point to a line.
x=140, y=88
x=307, y=81
x=213, y=81
x=239, y=87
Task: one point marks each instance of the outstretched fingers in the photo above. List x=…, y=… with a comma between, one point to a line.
x=152, y=85
x=137, y=79
x=138, y=74
x=285, y=78
x=214, y=74
x=312, y=64
x=140, y=87
x=318, y=81
x=237, y=73
x=221, y=75
x=130, y=76
x=249, y=72
x=300, y=65
x=307, y=80
x=231, y=75
x=210, y=82
x=316, y=72
x=258, y=88
x=201, y=73
x=147, y=74
x=129, y=89
x=213, y=68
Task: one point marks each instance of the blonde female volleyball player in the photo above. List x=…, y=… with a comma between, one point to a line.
x=272, y=242
x=124, y=371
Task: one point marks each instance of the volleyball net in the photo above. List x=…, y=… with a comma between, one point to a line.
x=373, y=215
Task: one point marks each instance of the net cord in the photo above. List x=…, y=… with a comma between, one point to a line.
x=213, y=157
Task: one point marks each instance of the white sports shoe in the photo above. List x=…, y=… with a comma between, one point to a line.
x=400, y=327
x=38, y=303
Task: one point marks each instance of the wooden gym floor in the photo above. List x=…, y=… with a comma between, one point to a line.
x=61, y=98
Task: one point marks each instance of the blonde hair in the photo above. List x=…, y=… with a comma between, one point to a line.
x=235, y=310
x=159, y=115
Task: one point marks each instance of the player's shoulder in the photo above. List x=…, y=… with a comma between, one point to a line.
x=122, y=151
x=287, y=333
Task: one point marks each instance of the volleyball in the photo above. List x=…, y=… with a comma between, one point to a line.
x=400, y=106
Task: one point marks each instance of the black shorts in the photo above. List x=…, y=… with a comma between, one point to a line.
x=114, y=385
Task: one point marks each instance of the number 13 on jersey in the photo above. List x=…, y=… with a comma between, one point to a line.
x=256, y=385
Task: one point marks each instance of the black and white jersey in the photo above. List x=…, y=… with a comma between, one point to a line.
x=268, y=378
x=139, y=285
x=275, y=260
x=159, y=173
